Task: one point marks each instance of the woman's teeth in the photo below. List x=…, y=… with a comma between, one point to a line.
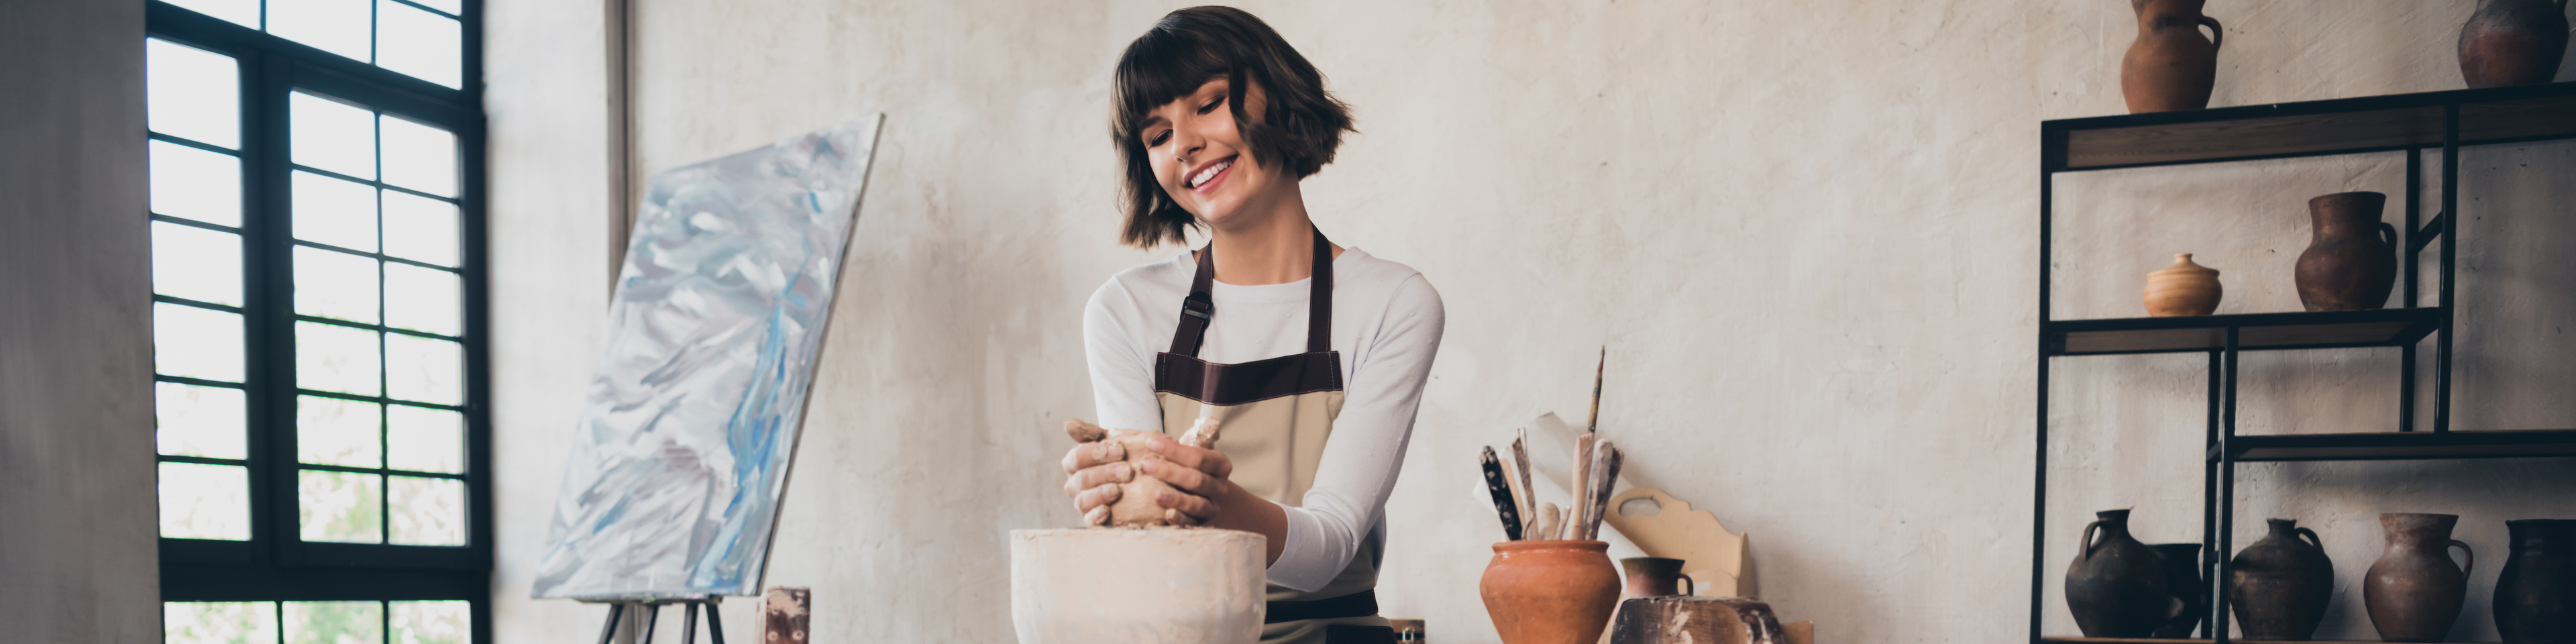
x=1210, y=173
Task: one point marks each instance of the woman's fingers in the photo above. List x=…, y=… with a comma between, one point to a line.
x=1088, y=455
x=1213, y=462
x=1181, y=478
x=1193, y=508
x=1095, y=498
x=1097, y=476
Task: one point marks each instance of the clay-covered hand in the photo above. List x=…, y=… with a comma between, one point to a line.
x=1092, y=471
x=1197, y=476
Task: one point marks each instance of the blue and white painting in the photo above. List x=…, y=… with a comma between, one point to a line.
x=681, y=459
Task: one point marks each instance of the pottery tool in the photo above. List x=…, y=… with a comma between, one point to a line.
x=1502, y=493
x=1520, y=495
x=1594, y=423
x=1604, y=473
x=1548, y=522
x=1579, y=487
x=1521, y=475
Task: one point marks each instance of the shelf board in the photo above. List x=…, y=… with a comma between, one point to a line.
x=2309, y=128
x=2204, y=640
x=2257, y=332
x=2369, y=446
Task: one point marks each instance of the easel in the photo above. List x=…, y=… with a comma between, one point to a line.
x=651, y=612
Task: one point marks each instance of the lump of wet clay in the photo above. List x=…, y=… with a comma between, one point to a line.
x=1136, y=506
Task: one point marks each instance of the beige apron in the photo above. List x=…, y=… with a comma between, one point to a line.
x=1277, y=413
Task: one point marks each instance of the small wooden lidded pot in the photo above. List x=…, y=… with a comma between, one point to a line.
x=2182, y=289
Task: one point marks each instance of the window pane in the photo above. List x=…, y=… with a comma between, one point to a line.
x=331, y=431
x=199, y=421
x=425, y=370
x=424, y=299
x=447, y=622
x=196, y=343
x=338, y=506
x=418, y=156
x=425, y=45
x=336, y=26
x=205, y=501
x=335, y=212
x=197, y=264
x=335, y=285
x=190, y=183
x=329, y=357
x=192, y=93
x=335, y=622
x=420, y=229
x=427, y=511
x=425, y=440
x=329, y=134
x=219, y=623
x=239, y=12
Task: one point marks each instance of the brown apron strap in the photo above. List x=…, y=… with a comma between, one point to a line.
x=1200, y=307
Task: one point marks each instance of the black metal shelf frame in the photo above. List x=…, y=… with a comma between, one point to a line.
x=2291, y=130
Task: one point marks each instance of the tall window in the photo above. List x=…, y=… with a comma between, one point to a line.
x=317, y=320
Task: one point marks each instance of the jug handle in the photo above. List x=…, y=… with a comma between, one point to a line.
x=2388, y=233
x=2218, y=35
x=1690, y=586
x=2466, y=553
x=2088, y=540
x=2312, y=538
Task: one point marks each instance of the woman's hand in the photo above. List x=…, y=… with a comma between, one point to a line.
x=1092, y=471
x=1197, y=476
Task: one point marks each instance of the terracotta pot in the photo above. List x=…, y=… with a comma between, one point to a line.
x=2535, y=595
x=2182, y=578
x=1656, y=577
x=1550, y=591
x=2170, y=67
x=1117, y=585
x=2182, y=289
x=2414, y=590
x=2351, y=262
x=2513, y=42
x=2116, y=586
x=2279, y=586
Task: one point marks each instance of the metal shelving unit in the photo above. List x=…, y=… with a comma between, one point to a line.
x=2412, y=123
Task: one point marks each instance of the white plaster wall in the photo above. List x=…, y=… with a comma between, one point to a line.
x=1806, y=231
x=78, y=544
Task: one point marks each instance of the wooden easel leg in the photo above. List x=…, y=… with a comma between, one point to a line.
x=689, y=624
x=715, y=624
x=610, y=631
x=652, y=616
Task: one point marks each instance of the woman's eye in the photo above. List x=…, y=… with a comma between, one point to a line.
x=1158, y=138
x=1211, y=106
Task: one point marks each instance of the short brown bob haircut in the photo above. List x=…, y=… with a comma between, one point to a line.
x=1299, y=126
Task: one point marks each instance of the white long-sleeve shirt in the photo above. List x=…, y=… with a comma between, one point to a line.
x=1387, y=323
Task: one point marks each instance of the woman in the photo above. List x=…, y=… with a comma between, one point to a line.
x=1312, y=355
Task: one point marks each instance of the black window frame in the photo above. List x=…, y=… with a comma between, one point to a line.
x=274, y=564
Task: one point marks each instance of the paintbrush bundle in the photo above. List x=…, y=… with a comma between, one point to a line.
x=1596, y=470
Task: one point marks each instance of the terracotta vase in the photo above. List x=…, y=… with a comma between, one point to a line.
x=2182, y=289
x=2535, y=595
x=2182, y=578
x=1656, y=577
x=2279, y=586
x=2513, y=42
x=2414, y=591
x=2116, y=586
x=1550, y=592
x=2351, y=262
x=2170, y=67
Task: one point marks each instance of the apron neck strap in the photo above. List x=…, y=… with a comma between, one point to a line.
x=1200, y=307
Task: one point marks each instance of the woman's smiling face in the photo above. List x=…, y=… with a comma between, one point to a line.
x=1200, y=158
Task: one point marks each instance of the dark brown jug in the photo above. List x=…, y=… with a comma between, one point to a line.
x=2182, y=578
x=2116, y=587
x=2414, y=591
x=2170, y=67
x=2535, y=595
x=1656, y=577
x=2351, y=263
x=2513, y=42
x=2279, y=586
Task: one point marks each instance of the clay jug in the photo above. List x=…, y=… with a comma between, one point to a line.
x=2184, y=288
x=2279, y=586
x=2535, y=595
x=2414, y=590
x=2351, y=262
x=2513, y=42
x=2170, y=67
x=1656, y=577
x=1550, y=591
x=2116, y=586
x=1169, y=585
x=2182, y=578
